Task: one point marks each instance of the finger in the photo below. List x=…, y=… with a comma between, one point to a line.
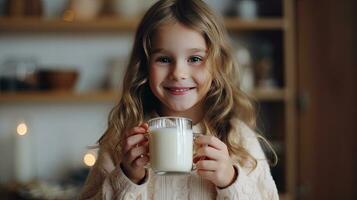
x=208, y=165
x=211, y=141
x=209, y=152
x=136, y=152
x=141, y=161
x=196, y=135
x=133, y=141
x=135, y=130
x=198, y=158
x=143, y=142
x=205, y=174
x=144, y=125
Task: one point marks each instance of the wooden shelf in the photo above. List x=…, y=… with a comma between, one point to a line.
x=268, y=94
x=107, y=96
x=117, y=24
x=284, y=196
x=21, y=97
x=235, y=24
x=55, y=25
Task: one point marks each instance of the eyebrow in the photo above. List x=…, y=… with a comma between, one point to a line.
x=192, y=50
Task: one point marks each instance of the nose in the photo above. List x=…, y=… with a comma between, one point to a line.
x=179, y=71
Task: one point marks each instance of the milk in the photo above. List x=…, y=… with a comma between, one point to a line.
x=171, y=150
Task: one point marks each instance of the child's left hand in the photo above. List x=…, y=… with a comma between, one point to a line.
x=217, y=166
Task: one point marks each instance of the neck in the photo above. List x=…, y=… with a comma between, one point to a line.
x=195, y=113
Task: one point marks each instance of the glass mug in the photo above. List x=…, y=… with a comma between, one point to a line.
x=171, y=145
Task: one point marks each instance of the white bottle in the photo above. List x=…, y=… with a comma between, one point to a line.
x=247, y=9
x=246, y=76
x=128, y=8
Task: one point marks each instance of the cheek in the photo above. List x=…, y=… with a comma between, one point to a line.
x=204, y=79
x=156, y=75
x=152, y=77
x=207, y=84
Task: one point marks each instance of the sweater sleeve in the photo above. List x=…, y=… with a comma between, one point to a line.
x=257, y=184
x=107, y=181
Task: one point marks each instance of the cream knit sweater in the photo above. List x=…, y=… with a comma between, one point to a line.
x=107, y=181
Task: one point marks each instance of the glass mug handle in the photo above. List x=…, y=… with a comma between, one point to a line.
x=147, y=166
x=195, y=136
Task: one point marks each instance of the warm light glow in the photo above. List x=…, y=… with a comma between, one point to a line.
x=21, y=129
x=89, y=159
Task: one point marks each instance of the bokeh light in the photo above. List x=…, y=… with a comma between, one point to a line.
x=21, y=129
x=89, y=159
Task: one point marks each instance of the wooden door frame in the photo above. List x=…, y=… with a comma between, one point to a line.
x=326, y=41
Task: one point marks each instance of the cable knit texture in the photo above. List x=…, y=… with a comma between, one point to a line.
x=107, y=181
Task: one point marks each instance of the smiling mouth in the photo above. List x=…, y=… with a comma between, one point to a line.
x=179, y=90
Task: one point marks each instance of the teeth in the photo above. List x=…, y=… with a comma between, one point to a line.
x=179, y=90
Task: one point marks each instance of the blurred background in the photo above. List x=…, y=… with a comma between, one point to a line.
x=62, y=63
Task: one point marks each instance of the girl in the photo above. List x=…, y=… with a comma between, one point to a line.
x=181, y=66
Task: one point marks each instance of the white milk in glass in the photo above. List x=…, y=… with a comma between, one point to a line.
x=171, y=150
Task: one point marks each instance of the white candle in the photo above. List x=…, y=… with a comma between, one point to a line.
x=24, y=157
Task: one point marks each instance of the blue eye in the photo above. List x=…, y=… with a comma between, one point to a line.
x=195, y=59
x=164, y=59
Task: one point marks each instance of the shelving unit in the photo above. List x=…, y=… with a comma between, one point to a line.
x=59, y=96
x=284, y=97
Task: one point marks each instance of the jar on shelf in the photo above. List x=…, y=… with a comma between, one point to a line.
x=245, y=71
x=20, y=8
x=82, y=10
x=18, y=73
x=264, y=67
x=247, y=9
x=15, y=8
x=34, y=8
x=128, y=8
x=115, y=73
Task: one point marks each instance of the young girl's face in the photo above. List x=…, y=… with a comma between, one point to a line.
x=179, y=73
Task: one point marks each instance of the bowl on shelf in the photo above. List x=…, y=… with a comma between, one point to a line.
x=57, y=79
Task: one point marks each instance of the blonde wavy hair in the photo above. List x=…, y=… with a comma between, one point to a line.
x=224, y=101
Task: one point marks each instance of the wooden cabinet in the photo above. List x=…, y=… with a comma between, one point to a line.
x=327, y=82
x=277, y=106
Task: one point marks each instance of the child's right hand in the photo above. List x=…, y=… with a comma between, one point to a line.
x=135, y=153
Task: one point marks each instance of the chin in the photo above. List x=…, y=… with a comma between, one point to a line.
x=181, y=108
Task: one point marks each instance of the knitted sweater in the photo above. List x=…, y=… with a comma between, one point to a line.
x=107, y=181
